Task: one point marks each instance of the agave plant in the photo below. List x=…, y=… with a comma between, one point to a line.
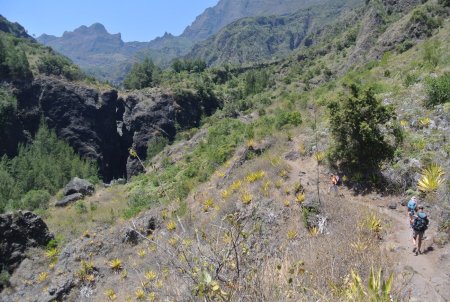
x=432, y=177
x=377, y=290
x=319, y=156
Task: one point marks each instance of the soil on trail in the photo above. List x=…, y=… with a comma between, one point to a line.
x=425, y=277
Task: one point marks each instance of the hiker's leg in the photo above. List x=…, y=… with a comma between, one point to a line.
x=419, y=242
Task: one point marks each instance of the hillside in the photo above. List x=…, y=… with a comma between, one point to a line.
x=213, y=19
x=230, y=197
x=260, y=39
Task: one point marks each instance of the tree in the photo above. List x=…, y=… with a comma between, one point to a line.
x=142, y=75
x=359, y=126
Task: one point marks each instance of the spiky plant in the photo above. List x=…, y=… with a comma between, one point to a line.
x=319, y=156
x=431, y=178
x=42, y=277
x=140, y=294
x=377, y=290
x=424, y=122
x=171, y=225
x=110, y=294
x=208, y=204
x=115, y=264
x=292, y=234
x=300, y=197
x=150, y=275
x=246, y=198
x=373, y=223
x=314, y=231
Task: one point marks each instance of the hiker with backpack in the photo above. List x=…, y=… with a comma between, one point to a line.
x=419, y=225
x=411, y=205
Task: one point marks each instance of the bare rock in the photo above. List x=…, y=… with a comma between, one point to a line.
x=78, y=185
x=20, y=231
x=69, y=199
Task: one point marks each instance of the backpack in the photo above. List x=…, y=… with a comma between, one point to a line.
x=420, y=224
x=412, y=205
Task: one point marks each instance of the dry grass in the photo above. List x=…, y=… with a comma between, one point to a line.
x=103, y=208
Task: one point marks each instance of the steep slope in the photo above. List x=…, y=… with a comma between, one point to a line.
x=14, y=29
x=251, y=40
x=227, y=11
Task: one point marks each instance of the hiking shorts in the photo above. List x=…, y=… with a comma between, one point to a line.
x=417, y=233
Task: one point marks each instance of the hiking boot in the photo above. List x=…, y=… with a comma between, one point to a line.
x=417, y=253
x=414, y=250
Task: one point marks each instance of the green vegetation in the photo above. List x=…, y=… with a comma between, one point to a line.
x=13, y=61
x=156, y=145
x=188, y=65
x=356, y=122
x=39, y=170
x=8, y=106
x=438, y=90
x=59, y=66
x=142, y=75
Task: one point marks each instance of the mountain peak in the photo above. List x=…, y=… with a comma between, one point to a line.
x=95, y=29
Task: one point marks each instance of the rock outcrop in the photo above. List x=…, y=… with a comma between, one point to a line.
x=19, y=232
x=100, y=125
x=69, y=199
x=82, y=116
x=158, y=113
x=78, y=185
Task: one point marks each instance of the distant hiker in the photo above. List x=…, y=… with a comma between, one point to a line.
x=334, y=182
x=411, y=206
x=419, y=226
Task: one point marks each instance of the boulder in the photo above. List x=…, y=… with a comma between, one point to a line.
x=78, y=185
x=20, y=231
x=392, y=206
x=69, y=199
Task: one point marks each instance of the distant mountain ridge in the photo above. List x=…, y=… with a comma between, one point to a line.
x=227, y=11
x=255, y=39
x=107, y=57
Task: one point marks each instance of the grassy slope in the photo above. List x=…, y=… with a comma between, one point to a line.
x=201, y=180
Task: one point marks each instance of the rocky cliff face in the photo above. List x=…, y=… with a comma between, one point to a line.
x=18, y=233
x=157, y=113
x=102, y=126
x=84, y=117
x=227, y=11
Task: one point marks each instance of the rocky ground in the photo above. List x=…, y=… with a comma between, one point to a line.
x=83, y=269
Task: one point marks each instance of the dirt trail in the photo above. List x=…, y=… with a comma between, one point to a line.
x=427, y=276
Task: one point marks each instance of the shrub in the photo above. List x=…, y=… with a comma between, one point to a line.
x=4, y=278
x=284, y=118
x=438, y=90
x=155, y=145
x=189, y=65
x=404, y=46
x=60, y=66
x=356, y=122
x=142, y=75
x=35, y=199
x=431, y=52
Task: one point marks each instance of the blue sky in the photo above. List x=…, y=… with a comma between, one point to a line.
x=136, y=20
